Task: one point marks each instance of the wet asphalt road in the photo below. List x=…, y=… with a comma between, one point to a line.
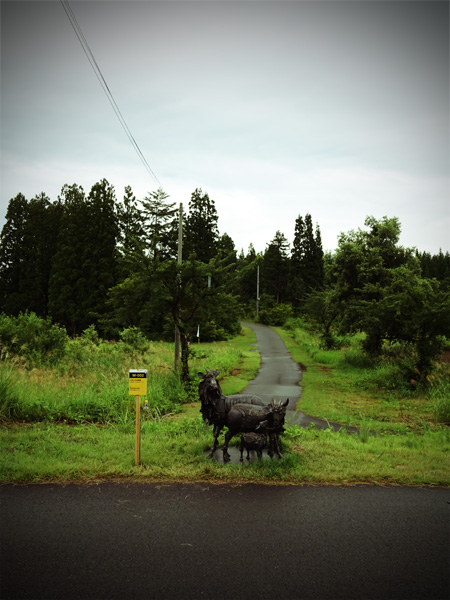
x=279, y=376
x=189, y=541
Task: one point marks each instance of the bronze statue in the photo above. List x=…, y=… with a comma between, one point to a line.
x=239, y=413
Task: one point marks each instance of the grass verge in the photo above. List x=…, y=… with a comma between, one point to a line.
x=173, y=446
x=339, y=391
x=176, y=451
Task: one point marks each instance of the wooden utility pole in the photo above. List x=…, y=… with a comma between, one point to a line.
x=257, y=290
x=180, y=258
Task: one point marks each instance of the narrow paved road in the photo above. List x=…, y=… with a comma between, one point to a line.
x=220, y=542
x=279, y=376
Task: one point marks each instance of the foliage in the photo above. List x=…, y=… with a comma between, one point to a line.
x=89, y=383
x=275, y=268
x=35, y=340
x=201, y=231
x=134, y=339
x=436, y=267
x=271, y=313
x=159, y=217
x=378, y=290
x=131, y=234
x=307, y=265
x=92, y=261
x=84, y=266
x=27, y=245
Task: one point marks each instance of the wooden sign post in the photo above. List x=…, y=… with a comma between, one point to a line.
x=138, y=386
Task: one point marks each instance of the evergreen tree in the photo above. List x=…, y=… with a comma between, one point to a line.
x=40, y=246
x=246, y=275
x=12, y=260
x=436, y=266
x=27, y=246
x=307, y=269
x=275, y=268
x=160, y=216
x=227, y=252
x=131, y=233
x=201, y=231
x=85, y=264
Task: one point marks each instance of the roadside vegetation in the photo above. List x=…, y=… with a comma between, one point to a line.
x=79, y=307
x=74, y=419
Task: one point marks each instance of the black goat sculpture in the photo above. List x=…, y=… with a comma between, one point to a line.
x=253, y=441
x=240, y=413
x=215, y=405
x=260, y=419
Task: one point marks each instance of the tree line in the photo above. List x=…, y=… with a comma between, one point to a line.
x=89, y=259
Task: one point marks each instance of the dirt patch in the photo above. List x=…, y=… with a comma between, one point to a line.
x=302, y=367
x=235, y=372
x=446, y=356
x=324, y=368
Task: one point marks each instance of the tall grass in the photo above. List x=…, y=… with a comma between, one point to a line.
x=90, y=384
x=440, y=395
x=344, y=385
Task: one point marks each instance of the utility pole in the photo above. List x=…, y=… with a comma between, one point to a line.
x=257, y=290
x=179, y=260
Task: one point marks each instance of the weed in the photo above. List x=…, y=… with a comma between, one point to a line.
x=440, y=395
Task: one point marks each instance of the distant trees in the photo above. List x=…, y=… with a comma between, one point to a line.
x=159, y=216
x=307, y=268
x=436, y=267
x=375, y=286
x=27, y=244
x=275, y=268
x=201, y=233
x=94, y=260
x=84, y=266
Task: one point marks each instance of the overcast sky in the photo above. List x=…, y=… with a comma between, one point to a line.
x=335, y=108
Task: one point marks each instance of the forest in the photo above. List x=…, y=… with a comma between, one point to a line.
x=89, y=262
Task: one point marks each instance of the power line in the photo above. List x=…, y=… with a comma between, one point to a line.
x=102, y=81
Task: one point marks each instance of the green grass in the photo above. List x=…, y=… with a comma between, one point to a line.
x=176, y=451
x=400, y=442
x=342, y=386
x=91, y=384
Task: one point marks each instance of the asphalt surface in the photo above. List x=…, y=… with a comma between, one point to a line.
x=190, y=541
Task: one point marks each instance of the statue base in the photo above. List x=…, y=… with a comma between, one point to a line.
x=235, y=454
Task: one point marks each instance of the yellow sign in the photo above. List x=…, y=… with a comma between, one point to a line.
x=138, y=382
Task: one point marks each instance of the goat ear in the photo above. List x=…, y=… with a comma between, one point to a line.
x=201, y=375
x=286, y=403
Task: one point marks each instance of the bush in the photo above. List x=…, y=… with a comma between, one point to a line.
x=134, y=339
x=32, y=338
x=276, y=315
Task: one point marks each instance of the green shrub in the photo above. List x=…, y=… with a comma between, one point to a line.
x=32, y=338
x=134, y=339
x=276, y=315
